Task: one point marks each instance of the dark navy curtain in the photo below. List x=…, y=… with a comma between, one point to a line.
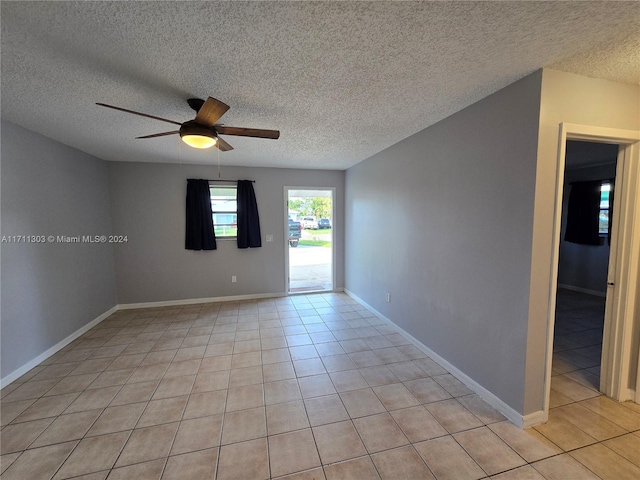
x=248, y=220
x=583, y=213
x=199, y=225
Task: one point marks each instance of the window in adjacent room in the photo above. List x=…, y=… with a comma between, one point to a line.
x=224, y=207
x=603, y=224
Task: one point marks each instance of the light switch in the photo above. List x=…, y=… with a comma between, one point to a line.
x=269, y=238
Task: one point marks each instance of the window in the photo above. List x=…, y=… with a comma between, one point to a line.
x=224, y=206
x=603, y=224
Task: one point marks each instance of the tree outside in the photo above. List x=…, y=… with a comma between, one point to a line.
x=319, y=207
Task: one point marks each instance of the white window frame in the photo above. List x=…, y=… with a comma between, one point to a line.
x=608, y=209
x=220, y=185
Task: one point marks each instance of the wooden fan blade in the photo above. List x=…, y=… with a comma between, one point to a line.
x=160, y=134
x=211, y=111
x=247, y=132
x=138, y=113
x=223, y=146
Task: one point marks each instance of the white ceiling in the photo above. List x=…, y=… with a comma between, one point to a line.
x=340, y=80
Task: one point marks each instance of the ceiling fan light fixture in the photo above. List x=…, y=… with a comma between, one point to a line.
x=199, y=141
x=198, y=136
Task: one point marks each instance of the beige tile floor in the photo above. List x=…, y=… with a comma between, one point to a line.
x=304, y=387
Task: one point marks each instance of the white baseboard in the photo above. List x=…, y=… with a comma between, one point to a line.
x=511, y=414
x=582, y=290
x=194, y=301
x=627, y=395
x=57, y=347
x=533, y=419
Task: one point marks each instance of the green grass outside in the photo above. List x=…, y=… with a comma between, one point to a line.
x=315, y=243
x=224, y=232
x=320, y=231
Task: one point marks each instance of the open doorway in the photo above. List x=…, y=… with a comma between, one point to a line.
x=583, y=268
x=620, y=360
x=310, y=248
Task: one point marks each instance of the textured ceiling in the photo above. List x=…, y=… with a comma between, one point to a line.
x=340, y=80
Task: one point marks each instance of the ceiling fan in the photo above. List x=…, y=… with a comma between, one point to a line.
x=203, y=131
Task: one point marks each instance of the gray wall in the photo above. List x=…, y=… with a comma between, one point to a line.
x=51, y=290
x=451, y=208
x=148, y=205
x=584, y=266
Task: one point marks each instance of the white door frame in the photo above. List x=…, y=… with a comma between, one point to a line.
x=623, y=261
x=286, y=235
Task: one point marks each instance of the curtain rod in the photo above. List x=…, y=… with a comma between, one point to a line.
x=228, y=181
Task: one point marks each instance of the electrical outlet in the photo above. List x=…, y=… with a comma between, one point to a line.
x=233, y=279
x=388, y=298
x=269, y=238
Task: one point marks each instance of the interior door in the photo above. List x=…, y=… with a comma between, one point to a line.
x=620, y=346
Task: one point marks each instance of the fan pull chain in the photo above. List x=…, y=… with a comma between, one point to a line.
x=218, y=162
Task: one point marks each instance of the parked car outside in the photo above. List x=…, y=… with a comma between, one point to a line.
x=309, y=223
x=324, y=223
x=295, y=233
